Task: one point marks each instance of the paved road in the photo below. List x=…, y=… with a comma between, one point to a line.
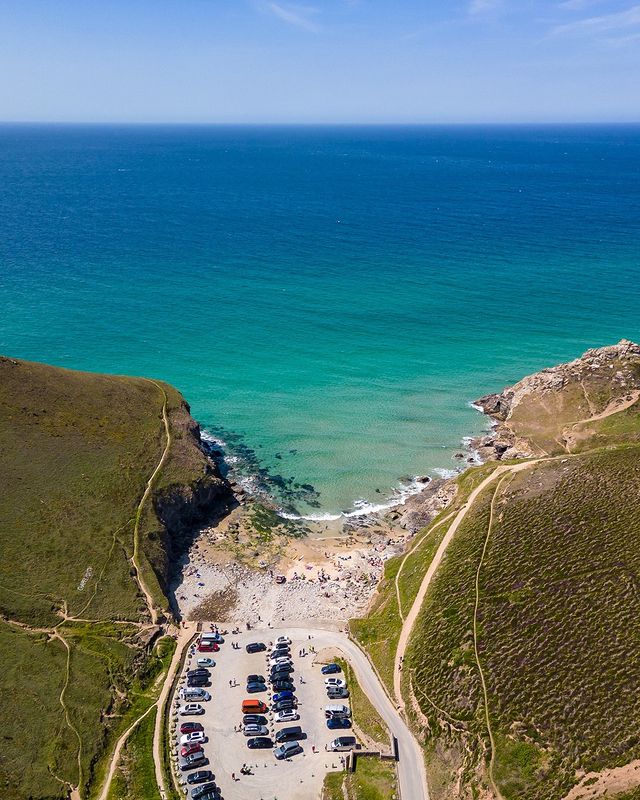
x=411, y=772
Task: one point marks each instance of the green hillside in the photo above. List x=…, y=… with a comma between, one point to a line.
x=521, y=675
x=76, y=453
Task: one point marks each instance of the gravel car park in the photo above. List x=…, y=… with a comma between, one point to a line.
x=253, y=754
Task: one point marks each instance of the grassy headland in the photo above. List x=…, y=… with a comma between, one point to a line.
x=76, y=453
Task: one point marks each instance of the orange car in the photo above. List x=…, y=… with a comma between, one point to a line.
x=253, y=707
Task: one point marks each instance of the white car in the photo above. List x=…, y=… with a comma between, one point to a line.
x=287, y=716
x=281, y=660
x=206, y=662
x=190, y=709
x=197, y=737
x=283, y=640
x=338, y=683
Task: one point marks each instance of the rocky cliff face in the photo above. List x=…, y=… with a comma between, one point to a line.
x=193, y=492
x=576, y=390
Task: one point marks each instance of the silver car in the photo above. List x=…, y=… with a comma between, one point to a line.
x=255, y=730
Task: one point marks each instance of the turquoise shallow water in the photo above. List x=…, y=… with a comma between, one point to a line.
x=332, y=298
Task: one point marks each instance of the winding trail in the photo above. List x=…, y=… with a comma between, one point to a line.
x=485, y=692
x=415, y=545
x=153, y=612
x=184, y=637
x=115, y=758
x=411, y=617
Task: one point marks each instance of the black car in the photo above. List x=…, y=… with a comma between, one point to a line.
x=198, y=680
x=259, y=743
x=255, y=679
x=256, y=647
x=281, y=669
x=254, y=719
x=254, y=687
x=283, y=686
x=203, y=791
x=211, y=795
x=284, y=705
x=201, y=776
x=289, y=734
x=199, y=671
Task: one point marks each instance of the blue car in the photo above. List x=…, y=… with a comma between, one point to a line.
x=338, y=722
x=330, y=669
x=283, y=696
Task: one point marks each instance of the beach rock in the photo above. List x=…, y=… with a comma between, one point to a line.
x=594, y=366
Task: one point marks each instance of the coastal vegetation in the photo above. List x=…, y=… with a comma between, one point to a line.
x=374, y=779
x=77, y=602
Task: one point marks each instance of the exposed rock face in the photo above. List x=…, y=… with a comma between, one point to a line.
x=419, y=509
x=183, y=506
x=617, y=365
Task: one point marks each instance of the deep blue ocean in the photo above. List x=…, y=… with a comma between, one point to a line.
x=329, y=300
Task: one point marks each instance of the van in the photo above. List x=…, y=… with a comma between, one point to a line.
x=253, y=707
x=194, y=693
x=289, y=734
x=342, y=743
x=337, y=711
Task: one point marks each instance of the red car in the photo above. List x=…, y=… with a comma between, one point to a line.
x=188, y=749
x=208, y=647
x=191, y=727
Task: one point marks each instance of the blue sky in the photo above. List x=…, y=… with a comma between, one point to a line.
x=320, y=60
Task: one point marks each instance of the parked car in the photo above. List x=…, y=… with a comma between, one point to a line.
x=281, y=669
x=211, y=636
x=279, y=660
x=337, y=693
x=335, y=682
x=342, y=743
x=287, y=750
x=202, y=791
x=283, y=686
x=329, y=669
x=190, y=727
x=283, y=696
x=208, y=647
x=290, y=734
x=283, y=652
x=199, y=671
x=198, y=680
x=284, y=640
x=195, y=693
x=211, y=795
x=190, y=709
x=284, y=705
x=256, y=647
x=254, y=687
x=338, y=722
x=255, y=730
x=206, y=662
x=202, y=776
x=188, y=749
x=192, y=761
x=337, y=711
x=281, y=644
x=196, y=737
x=287, y=716
x=255, y=679
x=254, y=719
x=259, y=743
x=252, y=706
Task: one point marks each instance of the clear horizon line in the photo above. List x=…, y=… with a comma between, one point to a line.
x=321, y=124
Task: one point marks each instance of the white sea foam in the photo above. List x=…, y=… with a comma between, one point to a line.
x=363, y=508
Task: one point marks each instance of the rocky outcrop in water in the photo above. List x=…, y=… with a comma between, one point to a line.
x=606, y=372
